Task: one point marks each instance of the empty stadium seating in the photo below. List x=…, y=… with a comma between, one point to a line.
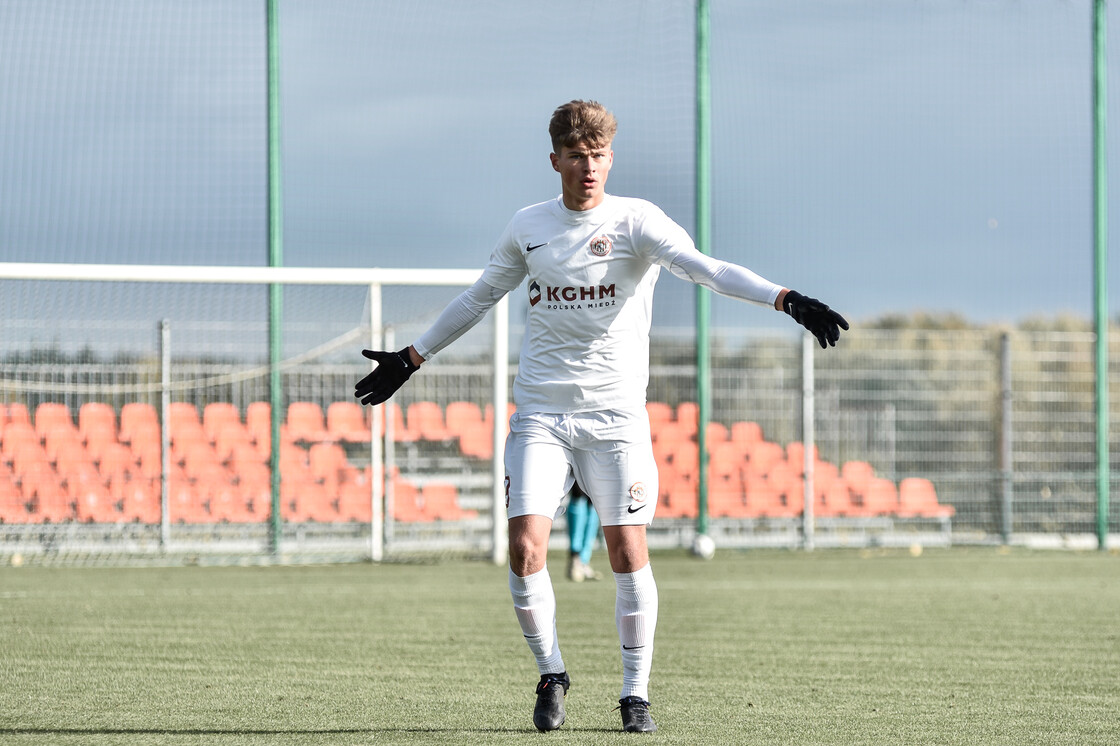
x=99, y=465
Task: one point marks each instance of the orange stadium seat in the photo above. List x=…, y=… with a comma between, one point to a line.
x=228, y=503
x=16, y=412
x=72, y=459
x=717, y=433
x=258, y=421
x=825, y=475
x=678, y=499
x=795, y=455
x=96, y=416
x=858, y=476
x=726, y=495
x=184, y=421
x=148, y=459
x=788, y=488
x=407, y=506
x=746, y=432
x=139, y=499
x=441, y=501
x=98, y=438
x=880, y=498
x=346, y=421
x=53, y=415
x=666, y=441
x=58, y=438
x=834, y=501
x=461, y=415
x=659, y=413
x=477, y=441
x=185, y=503
x=425, y=418
x=13, y=506
x=726, y=458
x=306, y=501
x=18, y=432
x=488, y=415
x=234, y=439
x=217, y=416
x=258, y=498
x=328, y=464
x=144, y=437
x=402, y=433
x=24, y=454
x=917, y=497
x=305, y=421
x=688, y=418
x=761, y=497
x=762, y=456
x=47, y=501
x=94, y=504
x=354, y=502
x=686, y=459
x=138, y=416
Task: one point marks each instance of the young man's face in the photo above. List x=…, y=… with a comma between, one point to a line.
x=583, y=173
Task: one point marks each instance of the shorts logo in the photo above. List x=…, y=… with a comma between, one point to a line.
x=601, y=246
x=638, y=492
x=507, y=492
x=534, y=293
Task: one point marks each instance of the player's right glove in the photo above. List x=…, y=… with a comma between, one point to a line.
x=393, y=369
x=821, y=321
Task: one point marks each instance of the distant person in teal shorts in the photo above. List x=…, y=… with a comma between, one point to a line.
x=583, y=530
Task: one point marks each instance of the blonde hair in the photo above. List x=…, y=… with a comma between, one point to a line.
x=581, y=122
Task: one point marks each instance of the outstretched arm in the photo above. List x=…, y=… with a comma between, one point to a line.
x=394, y=368
x=725, y=278
x=739, y=282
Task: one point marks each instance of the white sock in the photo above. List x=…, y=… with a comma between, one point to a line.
x=535, y=604
x=635, y=614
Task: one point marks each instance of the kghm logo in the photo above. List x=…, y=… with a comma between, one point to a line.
x=571, y=297
x=601, y=246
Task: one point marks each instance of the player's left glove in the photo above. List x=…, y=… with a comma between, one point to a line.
x=821, y=321
x=393, y=369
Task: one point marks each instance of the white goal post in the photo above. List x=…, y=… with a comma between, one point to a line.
x=372, y=278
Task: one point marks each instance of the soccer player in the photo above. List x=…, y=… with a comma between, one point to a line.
x=591, y=260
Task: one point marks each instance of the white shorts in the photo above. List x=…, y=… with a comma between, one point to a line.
x=608, y=453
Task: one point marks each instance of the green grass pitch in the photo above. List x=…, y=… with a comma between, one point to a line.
x=961, y=646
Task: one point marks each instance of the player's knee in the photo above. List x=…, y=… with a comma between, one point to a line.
x=526, y=556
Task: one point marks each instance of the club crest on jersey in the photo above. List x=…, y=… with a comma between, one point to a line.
x=601, y=246
x=534, y=293
x=638, y=492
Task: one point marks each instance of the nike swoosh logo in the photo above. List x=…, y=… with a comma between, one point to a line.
x=632, y=509
x=530, y=248
x=636, y=647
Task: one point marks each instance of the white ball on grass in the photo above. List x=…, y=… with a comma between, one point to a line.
x=704, y=546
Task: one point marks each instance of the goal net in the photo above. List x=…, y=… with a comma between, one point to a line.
x=140, y=422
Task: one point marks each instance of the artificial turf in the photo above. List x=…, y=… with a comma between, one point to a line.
x=959, y=646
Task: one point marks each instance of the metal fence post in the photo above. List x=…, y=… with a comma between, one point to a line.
x=1005, y=463
x=500, y=395
x=165, y=433
x=808, y=435
x=376, y=454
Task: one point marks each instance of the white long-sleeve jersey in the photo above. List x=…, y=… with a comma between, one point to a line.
x=590, y=276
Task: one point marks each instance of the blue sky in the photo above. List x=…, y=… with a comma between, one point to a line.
x=888, y=156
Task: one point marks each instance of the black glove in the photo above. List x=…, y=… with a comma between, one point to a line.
x=393, y=369
x=824, y=323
